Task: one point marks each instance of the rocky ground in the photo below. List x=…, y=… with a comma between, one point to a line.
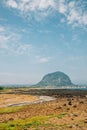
x=63, y=113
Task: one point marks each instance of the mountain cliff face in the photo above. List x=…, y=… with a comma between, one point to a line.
x=55, y=79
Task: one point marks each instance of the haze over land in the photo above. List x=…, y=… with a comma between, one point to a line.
x=40, y=37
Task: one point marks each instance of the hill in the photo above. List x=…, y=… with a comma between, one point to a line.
x=55, y=79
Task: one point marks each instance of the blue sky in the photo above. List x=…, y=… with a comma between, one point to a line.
x=42, y=36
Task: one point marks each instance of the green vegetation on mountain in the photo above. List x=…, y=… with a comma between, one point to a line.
x=55, y=79
x=1, y=88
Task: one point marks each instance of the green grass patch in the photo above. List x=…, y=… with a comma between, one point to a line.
x=11, y=109
x=59, y=116
x=34, y=122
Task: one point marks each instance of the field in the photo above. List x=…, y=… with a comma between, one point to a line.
x=67, y=110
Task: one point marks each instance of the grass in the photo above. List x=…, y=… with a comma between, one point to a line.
x=34, y=122
x=11, y=109
x=59, y=116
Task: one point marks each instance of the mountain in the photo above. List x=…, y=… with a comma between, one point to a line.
x=55, y=79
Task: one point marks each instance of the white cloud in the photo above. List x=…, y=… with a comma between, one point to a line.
x=84, y=19
x=2, y=29
x=44, y=4
x=3, y=41
x=7, y=37
x=43, y=59
x=10, y=42
x=62, y=8
x=30, y=5
x=74, y=11
x=12, y=3
x=22, y=49
x=76, y=14
x=38, y=8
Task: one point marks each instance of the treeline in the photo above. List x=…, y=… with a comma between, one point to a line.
x=1, y=88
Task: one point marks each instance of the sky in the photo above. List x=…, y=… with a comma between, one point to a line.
x=42, y=36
